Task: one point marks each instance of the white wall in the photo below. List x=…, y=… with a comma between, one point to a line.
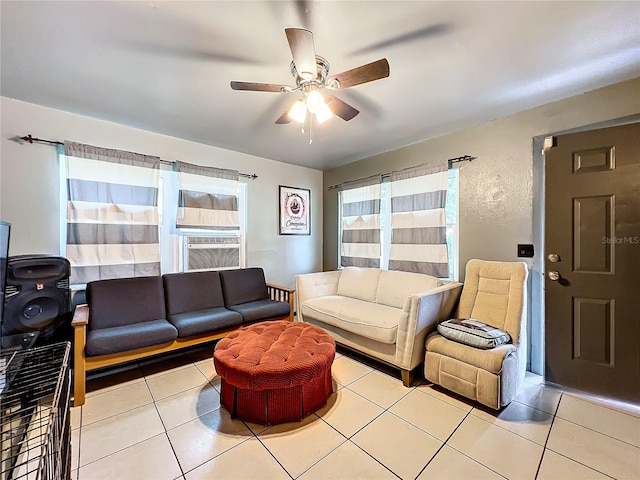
x=29, y=185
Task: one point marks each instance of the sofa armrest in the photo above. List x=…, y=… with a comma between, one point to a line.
x=80, y=316
x=426, y=309
x=79, y=323
x=282, y=294
x=313, y=285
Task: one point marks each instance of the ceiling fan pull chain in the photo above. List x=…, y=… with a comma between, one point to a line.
x=310, y=129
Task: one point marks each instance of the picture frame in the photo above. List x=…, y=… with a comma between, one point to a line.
x=294, y=210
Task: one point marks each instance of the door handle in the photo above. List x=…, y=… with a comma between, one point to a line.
x=554, y=276
x=553, y=257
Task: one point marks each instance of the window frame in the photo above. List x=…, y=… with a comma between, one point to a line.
x=171, y=238
x=453, y=238
x=454, y=253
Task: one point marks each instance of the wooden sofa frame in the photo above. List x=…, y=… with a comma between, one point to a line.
x=83, y=364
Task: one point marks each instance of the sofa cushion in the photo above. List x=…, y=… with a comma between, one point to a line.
x=360, y=283
x=243, y=285
x=261, y=310
x=125, y=301
x=489, y=360
x=192, y=291
x=104, y=341
x=472, y=332
x=395, y=287
x=204, y=321
x=367, y=319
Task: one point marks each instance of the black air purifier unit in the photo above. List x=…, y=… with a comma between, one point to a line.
x=37, y=297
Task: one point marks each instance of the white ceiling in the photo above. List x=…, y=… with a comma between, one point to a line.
x=166, y=66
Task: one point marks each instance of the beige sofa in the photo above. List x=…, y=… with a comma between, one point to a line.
x=382, y=314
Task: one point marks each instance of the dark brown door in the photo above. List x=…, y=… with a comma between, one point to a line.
x=592, y=287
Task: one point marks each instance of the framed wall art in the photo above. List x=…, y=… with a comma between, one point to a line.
x=295, y=211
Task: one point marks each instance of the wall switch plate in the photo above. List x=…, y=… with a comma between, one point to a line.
x=525, y=250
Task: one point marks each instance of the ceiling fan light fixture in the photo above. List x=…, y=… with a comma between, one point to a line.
x=315, y=100
x=323, y=113
x=298, y=111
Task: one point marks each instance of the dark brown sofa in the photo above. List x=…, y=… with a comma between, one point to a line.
x=131, y=318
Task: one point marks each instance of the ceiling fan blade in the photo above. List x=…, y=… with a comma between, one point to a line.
x=363, y=74
x=431, y=30
x=258, y=87
x=188, y=53
x=304, y=9
x=284, y=118
x=341, y=109
x=303, y=51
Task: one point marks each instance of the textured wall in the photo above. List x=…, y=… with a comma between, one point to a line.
x=496, y=190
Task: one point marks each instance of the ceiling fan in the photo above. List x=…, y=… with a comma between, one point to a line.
x=311, y=74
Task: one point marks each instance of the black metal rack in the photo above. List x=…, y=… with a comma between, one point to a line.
x=35, y=415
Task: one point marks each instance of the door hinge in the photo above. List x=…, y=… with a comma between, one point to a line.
x=549, y=142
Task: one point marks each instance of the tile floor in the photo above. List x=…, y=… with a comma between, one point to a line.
x=163, y=420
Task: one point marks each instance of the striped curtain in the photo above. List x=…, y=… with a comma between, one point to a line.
x=361, y=223
x=418, y=222
x=112, y=213
x=208, y=198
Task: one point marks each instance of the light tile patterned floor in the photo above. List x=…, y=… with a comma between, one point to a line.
x=163, y=420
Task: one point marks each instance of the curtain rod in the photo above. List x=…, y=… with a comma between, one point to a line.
x=31, y=140
x=450, y=162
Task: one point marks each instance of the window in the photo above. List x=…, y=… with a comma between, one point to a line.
x=451, y=212
x=111, y=228
x=184, y=249
x=181, y=249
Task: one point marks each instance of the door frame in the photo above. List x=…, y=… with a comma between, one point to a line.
x=537, y=304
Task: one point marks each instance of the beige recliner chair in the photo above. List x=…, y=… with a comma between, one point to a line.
x=494, y=293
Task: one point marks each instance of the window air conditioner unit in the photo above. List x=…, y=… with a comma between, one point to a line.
x=212, y=253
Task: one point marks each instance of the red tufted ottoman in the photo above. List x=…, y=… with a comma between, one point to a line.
x=275, y=372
